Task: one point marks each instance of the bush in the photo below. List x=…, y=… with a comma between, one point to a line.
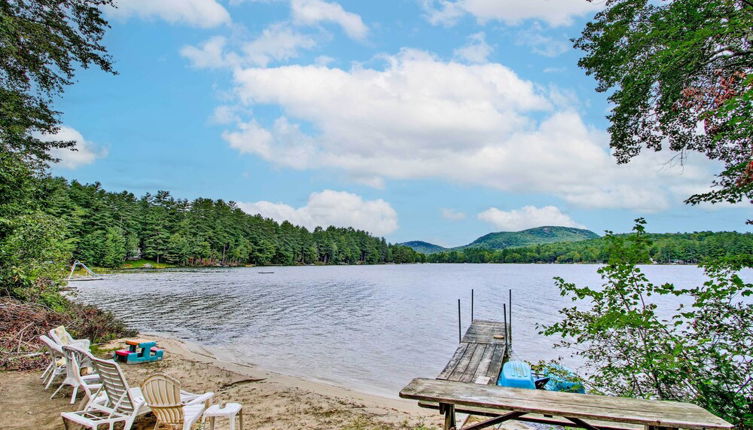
x=702, y=353
x=21, y=323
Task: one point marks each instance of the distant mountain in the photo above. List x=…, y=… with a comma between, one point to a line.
x=509, y=239
x=424, y=247
x=532, y=236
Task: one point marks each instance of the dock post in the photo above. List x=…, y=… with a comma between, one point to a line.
x=507, y=333
x=471, y=305
x=460, y=335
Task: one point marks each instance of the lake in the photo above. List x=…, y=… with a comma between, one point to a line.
x=370, y=328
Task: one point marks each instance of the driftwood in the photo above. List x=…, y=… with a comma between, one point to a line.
x=241, y=381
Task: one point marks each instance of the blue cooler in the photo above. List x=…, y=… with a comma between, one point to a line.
x=516, y=374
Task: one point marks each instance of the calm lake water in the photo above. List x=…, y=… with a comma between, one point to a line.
x=370, y=328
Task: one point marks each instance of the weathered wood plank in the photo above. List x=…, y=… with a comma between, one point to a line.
x=583, y=406
x=465, y=360
x=534, y=418
x=499, y=357
x=453, y=363
x=493, y=366
x=481, y=331
x=478, y=356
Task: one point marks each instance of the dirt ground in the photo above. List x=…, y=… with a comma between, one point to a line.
x=270, y=401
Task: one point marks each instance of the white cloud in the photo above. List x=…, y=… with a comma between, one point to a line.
x=542, y=44
x=197, y=13
x=85, y=152
x=336, y=208
x=419, y=117
x=278, y=42
x=312, y=12
x=513, y=12
x=452, y=214
x=208, y=55
x=476, y=51
x=527, y=217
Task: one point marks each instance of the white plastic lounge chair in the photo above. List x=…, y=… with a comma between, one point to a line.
x=114, y=401
x=88, y=383
x=57, y=361
x=62, y=337
x=162, y=394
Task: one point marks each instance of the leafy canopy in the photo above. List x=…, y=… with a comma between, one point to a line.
x=679, y=76
x=42, y=42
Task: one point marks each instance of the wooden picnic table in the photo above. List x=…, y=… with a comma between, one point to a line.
x=518, y=404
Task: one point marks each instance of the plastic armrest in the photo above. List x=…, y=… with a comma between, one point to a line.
x=200, y=399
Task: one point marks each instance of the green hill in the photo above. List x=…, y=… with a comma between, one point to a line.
x=424, y=247
x=532, y=236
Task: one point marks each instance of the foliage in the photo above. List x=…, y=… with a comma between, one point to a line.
x=679, y=76
x=665, y=248
x=106, y=229
x=700, y=352
x=41, y=45
x=21, y=323
x=32, y=257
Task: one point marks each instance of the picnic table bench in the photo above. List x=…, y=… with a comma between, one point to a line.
x=576, y=410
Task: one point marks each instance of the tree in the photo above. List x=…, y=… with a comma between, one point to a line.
x=679, y=73
x=32, y=257
x=701, y=353
x=41, y=45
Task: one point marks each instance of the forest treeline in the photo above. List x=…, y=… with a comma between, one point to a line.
x=667, y=248
x=107, y=229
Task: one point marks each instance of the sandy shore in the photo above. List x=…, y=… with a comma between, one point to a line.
x=270, y=400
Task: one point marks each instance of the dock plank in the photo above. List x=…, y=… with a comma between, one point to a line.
x=482, y=331
x=582, y=406
x=467, y=374
x=479, y=356
x=453, y=363
x=462, y=366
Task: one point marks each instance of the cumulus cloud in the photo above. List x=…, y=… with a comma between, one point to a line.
x=420, y=117
x=197, y=13
x=476, y=51
x=452, y=214
x=278, y=42
x=527, y=217
x=336, y=208
x=312, y=12
x=85, y=152
x=512, y=12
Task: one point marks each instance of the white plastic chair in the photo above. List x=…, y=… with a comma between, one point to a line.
x=56, y=367
x=62, y=337
x=114, y=402
x=162, y=394
x=88, y=383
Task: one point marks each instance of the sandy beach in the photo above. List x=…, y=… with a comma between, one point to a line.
x=270, y=400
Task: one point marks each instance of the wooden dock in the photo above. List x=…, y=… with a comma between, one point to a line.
x=480, y=355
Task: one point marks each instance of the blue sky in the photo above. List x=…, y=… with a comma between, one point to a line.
x=438, y=120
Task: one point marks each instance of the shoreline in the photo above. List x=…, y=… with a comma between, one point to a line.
x=78, y=276
x=198, y=352
x=270, y=400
